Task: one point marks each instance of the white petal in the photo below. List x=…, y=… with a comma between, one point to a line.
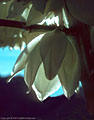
x=70, y=70
x=22, y=59
x=4, y=8
x=68, y=20
x=32, y=66
x=16, y=9
x=42, y=86
x=34, y=16
x=39, y=5
x=54, y=5
x=52, y=50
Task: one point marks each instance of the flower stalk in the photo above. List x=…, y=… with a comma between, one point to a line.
x=41, y=28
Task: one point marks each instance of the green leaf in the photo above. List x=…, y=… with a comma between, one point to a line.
x=42, y=86
x=52, y=50
x=70, y=70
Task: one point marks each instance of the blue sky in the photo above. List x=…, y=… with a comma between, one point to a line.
x=8, y=58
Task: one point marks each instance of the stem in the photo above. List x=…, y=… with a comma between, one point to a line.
x=39, y=28
x=22, y=25
x=11, y=23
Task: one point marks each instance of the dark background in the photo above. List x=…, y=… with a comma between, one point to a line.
x=14, y=102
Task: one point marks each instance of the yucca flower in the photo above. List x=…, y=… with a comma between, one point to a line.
x=50, y=61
